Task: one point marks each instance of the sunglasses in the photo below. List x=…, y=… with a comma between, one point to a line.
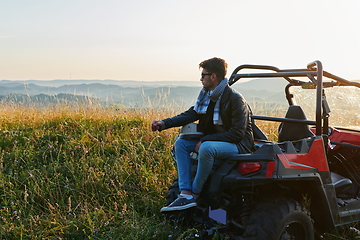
x=204, y=74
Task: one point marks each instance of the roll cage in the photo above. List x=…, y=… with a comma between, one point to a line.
x=315, y=73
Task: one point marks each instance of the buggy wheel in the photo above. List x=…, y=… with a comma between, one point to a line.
x=280, y=219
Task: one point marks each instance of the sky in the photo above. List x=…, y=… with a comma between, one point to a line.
x=165, y=40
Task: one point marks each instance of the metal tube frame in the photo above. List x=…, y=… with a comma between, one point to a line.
x=314, y=72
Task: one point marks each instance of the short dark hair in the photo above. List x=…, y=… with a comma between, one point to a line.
x=215, y=65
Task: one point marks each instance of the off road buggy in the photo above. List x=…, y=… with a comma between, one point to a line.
x=305, y=183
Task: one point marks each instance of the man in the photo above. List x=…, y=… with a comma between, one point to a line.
x=224, y=118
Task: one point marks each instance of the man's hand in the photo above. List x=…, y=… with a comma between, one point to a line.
x=197, y=147
x=156, y=125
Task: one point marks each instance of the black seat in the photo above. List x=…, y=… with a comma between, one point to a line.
x=294, y=131
x=341, y=184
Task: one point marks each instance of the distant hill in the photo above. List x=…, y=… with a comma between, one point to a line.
x=124, y=83
x=270, y=84
x=143, y=93
x=45, y=100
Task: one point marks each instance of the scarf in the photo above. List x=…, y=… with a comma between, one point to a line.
x=204, y=98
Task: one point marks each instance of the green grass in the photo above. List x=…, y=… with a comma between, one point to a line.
x=83, y=174
x=88, y=173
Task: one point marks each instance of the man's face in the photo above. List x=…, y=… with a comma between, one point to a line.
x=208, y=80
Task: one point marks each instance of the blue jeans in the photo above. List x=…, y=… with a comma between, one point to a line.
x=208, y=152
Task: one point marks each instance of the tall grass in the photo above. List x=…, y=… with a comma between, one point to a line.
x=84, y=173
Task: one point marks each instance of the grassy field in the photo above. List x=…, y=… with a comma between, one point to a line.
x=86, y=173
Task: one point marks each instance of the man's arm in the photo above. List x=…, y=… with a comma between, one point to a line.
x=180, y=120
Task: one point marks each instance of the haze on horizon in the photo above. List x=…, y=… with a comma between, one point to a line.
x=163, y=40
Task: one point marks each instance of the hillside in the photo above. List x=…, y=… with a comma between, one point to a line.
x=88, y=173
x=130, y=93
x=91, y=173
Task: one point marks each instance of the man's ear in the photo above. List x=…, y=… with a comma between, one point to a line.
x=214, y=78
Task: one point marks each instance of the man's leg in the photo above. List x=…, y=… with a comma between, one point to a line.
x=208, y=152
x=183, y=148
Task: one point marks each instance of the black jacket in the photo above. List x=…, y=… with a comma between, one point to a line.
x=235, y=114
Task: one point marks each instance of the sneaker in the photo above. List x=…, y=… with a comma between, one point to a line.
x=179, y=204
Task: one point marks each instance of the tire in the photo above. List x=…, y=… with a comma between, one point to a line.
x=279, y=219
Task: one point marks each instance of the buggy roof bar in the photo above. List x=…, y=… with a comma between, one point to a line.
x=309, y=72
x=314, y=72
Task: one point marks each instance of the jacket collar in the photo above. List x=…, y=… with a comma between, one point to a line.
x=225, y=96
